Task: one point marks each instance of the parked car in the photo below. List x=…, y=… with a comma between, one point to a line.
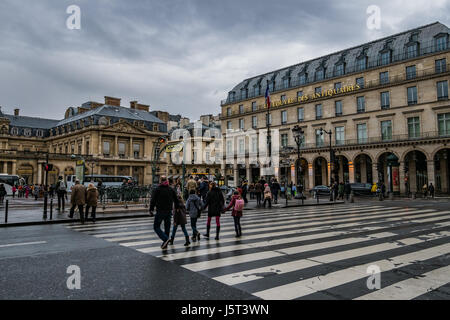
x=361, y=189
x=320, y=190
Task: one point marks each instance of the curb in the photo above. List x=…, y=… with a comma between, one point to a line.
x=315, y=204
x=35, y=223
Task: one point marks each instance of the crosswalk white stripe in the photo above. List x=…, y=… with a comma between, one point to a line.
x=361, y=228
x=260, y=223
x=190, y=254
x=244, y=218
x=223, y=262
x=298, y=289
x=240, y=277
x=282, y=224
x=411, y=288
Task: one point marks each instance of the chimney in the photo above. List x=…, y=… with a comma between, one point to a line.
x=16, y=112
x=143, y=107
x=112, y=101
x=133, y=104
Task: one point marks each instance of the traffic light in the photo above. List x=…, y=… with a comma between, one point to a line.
x=48, y=167
x=162, y=140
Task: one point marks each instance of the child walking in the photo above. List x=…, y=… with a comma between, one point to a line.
x=237, y=203
x=179, y=219
x=194, y=207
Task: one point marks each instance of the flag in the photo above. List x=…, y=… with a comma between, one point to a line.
x=267, y=98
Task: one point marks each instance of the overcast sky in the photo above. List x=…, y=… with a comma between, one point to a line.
x=181, y=56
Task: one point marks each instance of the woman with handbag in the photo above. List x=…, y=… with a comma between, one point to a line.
x=194, y=207
x=179, y=219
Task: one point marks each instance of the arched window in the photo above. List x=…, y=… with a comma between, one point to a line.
x=39, y=133
x=27, y=132
x=15, y=131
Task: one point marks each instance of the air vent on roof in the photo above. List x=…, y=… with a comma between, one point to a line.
x=116, y=110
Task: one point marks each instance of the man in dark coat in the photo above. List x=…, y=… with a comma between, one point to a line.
x=347, y=189
x=164, y=198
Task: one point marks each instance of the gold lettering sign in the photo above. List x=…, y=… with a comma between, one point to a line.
x=80, y=162
x=174, y=148
x=327, y=93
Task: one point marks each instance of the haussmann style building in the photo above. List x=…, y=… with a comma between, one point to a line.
x=385, y=104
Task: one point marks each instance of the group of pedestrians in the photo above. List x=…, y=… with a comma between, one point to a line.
x=81, y=197
x=266, y=192
x=202, y=195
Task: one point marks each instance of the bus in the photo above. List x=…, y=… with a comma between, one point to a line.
x=9, y=181
x=108, y=181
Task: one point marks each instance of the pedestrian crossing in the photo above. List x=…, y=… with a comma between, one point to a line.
x=309, y=252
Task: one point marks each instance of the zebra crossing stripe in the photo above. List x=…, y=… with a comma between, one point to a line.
x=183, y=255
x=282, y=223
x=411, y=288
x=263, y=217
x=298, y=289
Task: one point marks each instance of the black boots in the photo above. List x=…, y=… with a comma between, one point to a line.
x=207, y=231
x=171, y=241
x=187, y=242
x=196, y=237
x=217, y=233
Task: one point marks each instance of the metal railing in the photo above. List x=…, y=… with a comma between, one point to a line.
x=349, y=69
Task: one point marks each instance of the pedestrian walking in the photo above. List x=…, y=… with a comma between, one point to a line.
x=258, y=192
x=341, y=190
x=203, y=189
x=27, y=191
x=431, y=190
x=2, y=193
x=91, y=201
x=61, y=190
x=347, y=189
x=14, y=190
x=179, y=219
x=215, y=204
x=194, y=207
x=267, y=195
x=275, y=189
x=36, y=191
x=78, y=200
x=237, y=203
x=164, y=198
x=425, y=190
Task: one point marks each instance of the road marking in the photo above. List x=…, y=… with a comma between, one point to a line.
x=21, y=244
x=298, y=289
x=411, y=288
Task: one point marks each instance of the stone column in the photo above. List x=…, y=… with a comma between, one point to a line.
x=341, y=169
x=5, y=167
x=430, y=172
x=363, y=172
x=311, y=176
x=402, y=177
x=115, y=170
x=39, y=173
x=444, y=175
x=14, y=167
x=375, y=172
x=248, y=175
x=131, y=155
x=351, y=172
x=100, y=145
x=412, y=176
x=236, y=174
x=131, y=171
x=83, y=146
x=116, y=146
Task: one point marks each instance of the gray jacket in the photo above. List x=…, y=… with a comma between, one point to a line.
x=192, y=203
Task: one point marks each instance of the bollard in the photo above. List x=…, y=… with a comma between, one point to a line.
x=45, y=207
x=352, y=199
x=391, y=196
x=6, y=211
x=51, y=209
x=317, y=197
x=414, y=195
x=302, y=198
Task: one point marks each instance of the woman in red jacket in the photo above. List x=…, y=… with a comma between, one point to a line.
x=237, y=203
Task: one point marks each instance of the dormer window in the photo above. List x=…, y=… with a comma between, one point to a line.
x=257, y=90
x=15, y=131
x=39, y=133
x=441, y=42
x=271, y=86
x=286, y=82
x=320, y=73
x=243, y=93
x=412, y=50
x=385, y=57
x=339, y=69
x=27, y=132
x=302, y=78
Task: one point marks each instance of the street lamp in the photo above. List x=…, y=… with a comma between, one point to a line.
x=298, y=134
x=332, y=158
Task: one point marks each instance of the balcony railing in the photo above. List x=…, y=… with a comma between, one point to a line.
x=349, y=69
x=379, y=139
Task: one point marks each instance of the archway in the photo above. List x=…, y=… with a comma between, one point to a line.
x=320, y=171
x=415, y=171
x=442, y=171
x=363, y=169
x=388, y=171
x=26, y=171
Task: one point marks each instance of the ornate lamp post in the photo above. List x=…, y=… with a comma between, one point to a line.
x=298, y=134
x=332, y=158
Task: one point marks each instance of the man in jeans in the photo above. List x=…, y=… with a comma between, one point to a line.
x=78, y=199
x=164, y=198
x=61, y=190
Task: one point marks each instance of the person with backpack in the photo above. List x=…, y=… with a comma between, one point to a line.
x=258, y=191
x=179, y=219
x=215, y=204
x=194, y=207
x=61, y=190
x=237, y=203
x=267, y=195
